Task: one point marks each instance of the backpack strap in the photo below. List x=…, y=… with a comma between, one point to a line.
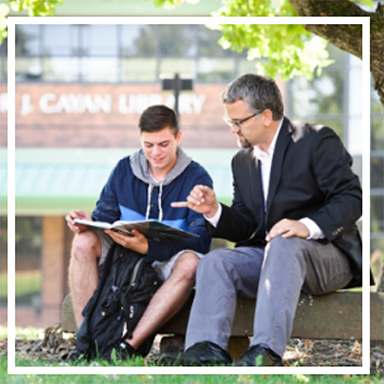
x=127, y=308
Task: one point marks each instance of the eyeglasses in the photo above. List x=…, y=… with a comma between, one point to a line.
x=237, y=124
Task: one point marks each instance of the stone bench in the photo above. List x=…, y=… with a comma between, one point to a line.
x=334, y=316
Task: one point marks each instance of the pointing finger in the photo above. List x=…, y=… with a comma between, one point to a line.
x=179, y=204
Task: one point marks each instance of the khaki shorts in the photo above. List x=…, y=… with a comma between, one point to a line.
x=163, y=268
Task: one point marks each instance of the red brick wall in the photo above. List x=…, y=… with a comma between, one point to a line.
x=104, y=115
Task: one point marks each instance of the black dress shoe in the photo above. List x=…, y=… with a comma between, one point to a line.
x=204, y=353
x=259, y=356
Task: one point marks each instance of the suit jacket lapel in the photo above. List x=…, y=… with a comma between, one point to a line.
x=277, y=163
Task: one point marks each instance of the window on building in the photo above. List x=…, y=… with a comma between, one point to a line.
x=208, y=44
x=99, y=70
x=176, y=40
x=60, y=40
x=99, y=40
x=377, y=184
x=319, y=100
x=3, y=261
x=28, y=248
x=61, y=69
x=138, y=40
x=3, y=61
x=28, y=40
x=327, y=100
x=377, y=131
x=123, y=53
x=28, y=275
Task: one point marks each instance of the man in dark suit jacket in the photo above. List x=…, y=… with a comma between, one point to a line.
x=296, y=201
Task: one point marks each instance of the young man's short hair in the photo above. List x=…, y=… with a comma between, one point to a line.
x=157, y=117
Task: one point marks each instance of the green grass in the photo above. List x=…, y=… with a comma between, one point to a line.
x=29, y=333
x=177, y=379
x=33, y=333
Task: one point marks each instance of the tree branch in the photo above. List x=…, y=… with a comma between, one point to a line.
x=346, y=37
x=377, y=53
x=327, y=8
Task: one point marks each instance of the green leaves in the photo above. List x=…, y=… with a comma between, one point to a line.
x=284, y=49
x=4, y=10
x=173, y=3
x=33, y=8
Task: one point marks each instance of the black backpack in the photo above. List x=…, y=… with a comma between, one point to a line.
x=126, y=286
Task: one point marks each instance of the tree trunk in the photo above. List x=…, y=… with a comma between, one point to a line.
x=349, y=37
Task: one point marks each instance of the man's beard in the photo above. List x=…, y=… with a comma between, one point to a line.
x=242, y=142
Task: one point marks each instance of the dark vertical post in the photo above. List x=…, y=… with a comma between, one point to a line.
x=177, y=84
x=176, y=88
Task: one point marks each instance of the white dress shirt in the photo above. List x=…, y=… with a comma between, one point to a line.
x=266, y=162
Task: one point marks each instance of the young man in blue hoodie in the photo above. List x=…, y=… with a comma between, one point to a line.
x=142, y=186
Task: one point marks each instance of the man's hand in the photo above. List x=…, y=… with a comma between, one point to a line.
x=288, y=228
x=77, y=215
x=201, y=199
x=138, y=242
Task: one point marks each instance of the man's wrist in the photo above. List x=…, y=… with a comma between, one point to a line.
x=315, y=231
x=213, y=212
x=213, y=220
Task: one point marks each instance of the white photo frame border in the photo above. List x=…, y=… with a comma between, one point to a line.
x=65, y=369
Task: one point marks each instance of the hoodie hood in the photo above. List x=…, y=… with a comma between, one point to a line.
x=140, y=168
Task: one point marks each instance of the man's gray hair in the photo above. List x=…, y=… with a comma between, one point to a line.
x=259, y=92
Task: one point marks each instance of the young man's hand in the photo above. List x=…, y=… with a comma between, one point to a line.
x=137, y=242
x=77, y=215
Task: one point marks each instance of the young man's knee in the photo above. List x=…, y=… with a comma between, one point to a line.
x=186, y=265
x=85, y=244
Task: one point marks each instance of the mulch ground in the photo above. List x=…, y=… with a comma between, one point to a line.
x=301, y=352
